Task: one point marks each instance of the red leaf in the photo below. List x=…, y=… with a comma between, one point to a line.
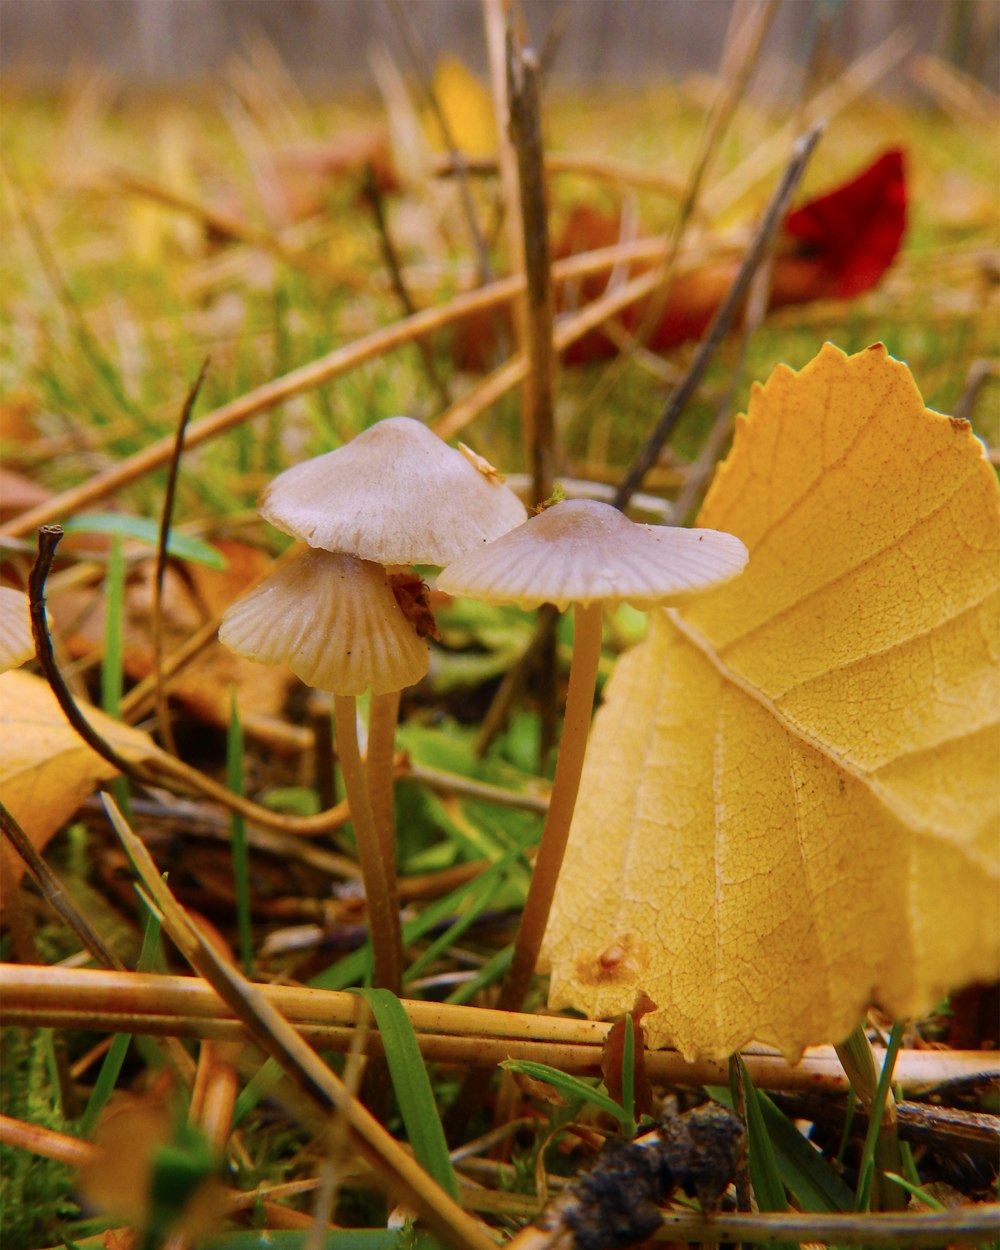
x=834, y=247
x=854, y=231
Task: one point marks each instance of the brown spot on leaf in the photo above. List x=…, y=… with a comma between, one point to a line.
x=620, y=962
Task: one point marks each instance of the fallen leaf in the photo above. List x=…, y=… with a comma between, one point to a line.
x=790, y=806
x=852, y=234
x=836, y=246
x=46, y=769
x=16, y=642
x=468, y=111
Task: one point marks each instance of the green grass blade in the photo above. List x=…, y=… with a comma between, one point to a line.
x=353, y=969
x=412, y=1087
x=451, y=935
x=146, y=530
x=342, y=1239
x=867, y=1166
x=238, y=832
x=111, y=1067
x=812, y=1181
x=764, y=1173
x=489, y=973
x=571, y=1087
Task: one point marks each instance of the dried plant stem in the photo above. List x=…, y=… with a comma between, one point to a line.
x=723, y=318
x=217, y=1085
x=272, y=1032
x=743, y=42
x=56, y=894
x=118, y=1001
x=498, y=383
x=381, y=898
x=576, y=726
x=47, y=1142
x=538, y=402
x=383, y=715
x=166, y=517
x=768, y=155
x=227, y=226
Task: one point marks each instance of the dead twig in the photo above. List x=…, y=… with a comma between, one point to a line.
x=166, y=517
x=723, y=318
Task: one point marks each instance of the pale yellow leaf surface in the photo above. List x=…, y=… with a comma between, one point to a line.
x=46, y=769
x=790, y=807
x=468, y=111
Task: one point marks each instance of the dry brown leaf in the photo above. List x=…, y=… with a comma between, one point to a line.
x=46, y=769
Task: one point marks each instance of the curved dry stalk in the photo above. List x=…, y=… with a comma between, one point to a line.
x=380, y=892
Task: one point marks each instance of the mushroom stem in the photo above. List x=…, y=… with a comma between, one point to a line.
x=383, y=715
x=383, y=908
x=576, y=727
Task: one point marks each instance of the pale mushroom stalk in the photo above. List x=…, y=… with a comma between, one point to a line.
x=572, y=747
x=379, y=879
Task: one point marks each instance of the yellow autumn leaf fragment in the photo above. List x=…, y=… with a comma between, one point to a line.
x=468, y=111
x=46, y=769
x=790, y=807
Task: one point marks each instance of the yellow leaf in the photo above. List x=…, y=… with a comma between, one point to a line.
x=790, y=804
x=46, y=769
x=468, y=110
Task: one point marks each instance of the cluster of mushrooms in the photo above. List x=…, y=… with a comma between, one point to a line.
x=349, y=615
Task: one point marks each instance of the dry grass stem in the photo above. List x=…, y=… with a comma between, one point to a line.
x=270, y=1030
x=118, y=1001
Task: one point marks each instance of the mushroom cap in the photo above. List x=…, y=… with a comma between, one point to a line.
x=582, y=551
x=16, y=642
x=334, y=620
x=396, y=494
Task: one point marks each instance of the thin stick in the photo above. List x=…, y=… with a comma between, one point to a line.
x=383, y=903
x=166, y=517
x=390, y=258
x=743, y=43
x=56, y=894
x=538, y=409
x=414, y=49
x=723, y=318
x=272, y=1032
x=154, y=1002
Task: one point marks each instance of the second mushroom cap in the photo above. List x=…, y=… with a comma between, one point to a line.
x=582, y=551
